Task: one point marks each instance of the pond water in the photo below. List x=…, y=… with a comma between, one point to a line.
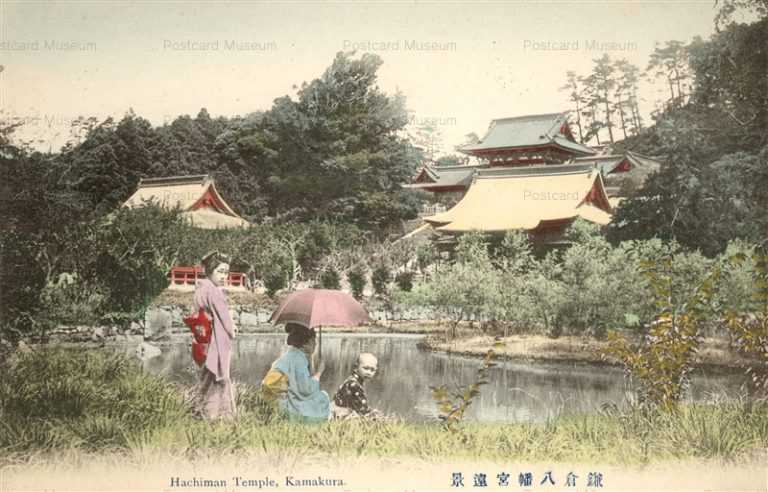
x=516, y=391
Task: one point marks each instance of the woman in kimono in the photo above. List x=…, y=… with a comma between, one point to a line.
x=289, y=381
x=215, y=383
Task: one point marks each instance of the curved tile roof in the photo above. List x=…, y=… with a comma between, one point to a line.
x=527, y=131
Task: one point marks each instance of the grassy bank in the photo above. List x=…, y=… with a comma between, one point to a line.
x=85, y=401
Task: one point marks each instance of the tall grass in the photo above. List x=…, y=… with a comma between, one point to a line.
x=83, y=401
x=52, y=398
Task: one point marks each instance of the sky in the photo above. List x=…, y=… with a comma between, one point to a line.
x=459, y=64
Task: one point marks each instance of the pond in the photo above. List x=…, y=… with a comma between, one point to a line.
x=517, y=391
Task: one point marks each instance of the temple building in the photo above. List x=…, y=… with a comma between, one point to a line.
x=201, y=204
x=531, y=175
x=621, y=172
x=196, y=196
x=543, y=202
x=528, y=140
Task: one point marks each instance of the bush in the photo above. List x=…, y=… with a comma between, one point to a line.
x=380, y=279
x=130, y=253
x=749, y=327
x=22, y=279
x=357, y=281
x=330, y=279
x=426, y=255
x=467, y=288
x=404, y=281
x=71, y=301
x=663, y=361
x=273, y=282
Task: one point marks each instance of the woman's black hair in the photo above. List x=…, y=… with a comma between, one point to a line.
x=298, y=335
x=212, y=260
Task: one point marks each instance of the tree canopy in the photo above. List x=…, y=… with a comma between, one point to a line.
x=335, y=151
x=713, y=145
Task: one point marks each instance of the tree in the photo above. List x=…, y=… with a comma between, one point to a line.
x=466, y=288
x=451, y=160
x=131, y=253
x=36, y=231
x=575, y=96
x=670, y=63
x=713, y=150
x=729, y=73
x=428, y=137
x=750, y=329
x=626, y=97
x=662, y=363
x=729, y=8
x=336, y=151
x=599, y=86
x=107, y=166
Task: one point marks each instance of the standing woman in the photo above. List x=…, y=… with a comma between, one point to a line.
x=215, y=383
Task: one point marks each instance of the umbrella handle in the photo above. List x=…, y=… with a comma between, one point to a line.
x=320, y=344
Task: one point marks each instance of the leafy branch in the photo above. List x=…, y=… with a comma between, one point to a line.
x=453, y=405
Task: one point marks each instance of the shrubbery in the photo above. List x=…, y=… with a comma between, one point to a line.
x=663, y=360
x=589, y=288
x=109, y=269
x=330, y=279
x=74, y=398
x=380, y=279
x=357, y=280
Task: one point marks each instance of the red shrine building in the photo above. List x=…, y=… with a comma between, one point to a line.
x=531, y=175
x=201, y=205
x=528, y=140
x=196, y=196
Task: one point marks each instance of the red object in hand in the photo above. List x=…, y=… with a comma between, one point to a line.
x=201, y=329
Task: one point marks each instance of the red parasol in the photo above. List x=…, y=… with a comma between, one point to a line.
x=315, y=308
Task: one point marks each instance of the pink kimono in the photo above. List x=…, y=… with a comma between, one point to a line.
x=215, y=383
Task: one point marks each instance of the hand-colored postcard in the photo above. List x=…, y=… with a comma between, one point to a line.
x=380, y=246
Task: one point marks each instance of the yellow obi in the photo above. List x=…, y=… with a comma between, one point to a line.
x=275, y=384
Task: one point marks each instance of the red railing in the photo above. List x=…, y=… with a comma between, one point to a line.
x=180, y=275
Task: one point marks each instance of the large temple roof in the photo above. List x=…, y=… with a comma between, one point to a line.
x=195, y=196
x=525, y=198
x=525, y=132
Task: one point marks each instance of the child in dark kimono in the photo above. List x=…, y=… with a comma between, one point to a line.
x=350, y=400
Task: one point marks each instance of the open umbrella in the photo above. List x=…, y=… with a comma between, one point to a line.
x=315, y=308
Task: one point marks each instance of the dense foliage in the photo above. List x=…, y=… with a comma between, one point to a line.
x=316, y=171
x=588, y=288
x=663, y=361
x=334, y=151
x=748, y=323
x=713, y=145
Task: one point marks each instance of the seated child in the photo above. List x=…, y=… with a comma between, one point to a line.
x=351, y=394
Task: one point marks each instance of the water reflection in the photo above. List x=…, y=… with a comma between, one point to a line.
x=516, y=391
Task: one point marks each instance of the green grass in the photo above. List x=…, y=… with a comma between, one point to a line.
x=84, y=401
